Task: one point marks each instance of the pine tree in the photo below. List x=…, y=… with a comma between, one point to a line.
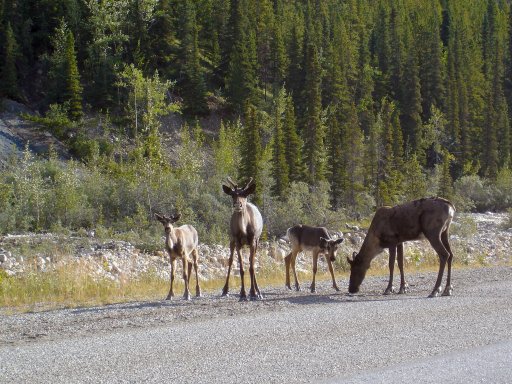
x=8, y=71
x=73, y=87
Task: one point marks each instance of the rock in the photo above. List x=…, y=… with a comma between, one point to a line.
x=3, y=257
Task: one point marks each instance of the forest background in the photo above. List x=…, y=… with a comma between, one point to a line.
x=334, y=107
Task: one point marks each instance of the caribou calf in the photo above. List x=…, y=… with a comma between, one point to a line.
x=428, y=218
x=245, y=228
x=314, y=239
x=180, y=243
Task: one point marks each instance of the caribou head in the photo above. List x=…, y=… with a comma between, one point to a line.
x=239, y=195
x=357, y=272
x=167, y=222
x=330, y=247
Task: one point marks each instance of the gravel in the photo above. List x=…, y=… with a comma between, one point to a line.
x=293, y=337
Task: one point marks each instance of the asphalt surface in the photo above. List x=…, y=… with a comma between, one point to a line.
x=290, y=337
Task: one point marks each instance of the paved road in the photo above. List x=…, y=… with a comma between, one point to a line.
x=326, y=338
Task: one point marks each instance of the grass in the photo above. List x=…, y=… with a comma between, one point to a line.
x=72, y=285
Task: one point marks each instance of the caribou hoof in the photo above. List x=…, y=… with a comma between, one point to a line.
x=187, y=297
x=169, y=297
x=403, y=289
x=336, y=288
x=198, y=294
x=448, y=291
x=435, y=292
x=256, y=297
x=313, y=290
x=389, y=290
x=297, y=288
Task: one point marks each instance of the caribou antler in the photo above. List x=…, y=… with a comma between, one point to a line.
x=233, y=184
x=249, y=183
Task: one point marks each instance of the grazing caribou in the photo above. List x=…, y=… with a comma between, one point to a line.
x=245, y=228
x=180, y=243
x=428, y=218
x=314, y=239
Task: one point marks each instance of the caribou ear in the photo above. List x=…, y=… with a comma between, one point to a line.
x=339, y=241
x=227, y=190
x=160, y=218
x=354, y=254
x=323, y=243
x=349, y=260
x=175, y=218
x=249, y=189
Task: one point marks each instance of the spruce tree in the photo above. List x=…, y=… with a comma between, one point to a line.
x=242, y=77
x=163, y=42
x=445, y=188
x=313, y=127
x=251, y=151
x=280, y=169
x=73, y=86
x=410, y=117
x=193, y=83
x=293, y=143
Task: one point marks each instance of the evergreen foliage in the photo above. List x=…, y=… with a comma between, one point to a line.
x=357, y=99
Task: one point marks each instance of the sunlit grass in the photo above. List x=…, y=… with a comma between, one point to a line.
x=71, y=284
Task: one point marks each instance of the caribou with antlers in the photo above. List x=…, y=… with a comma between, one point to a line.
x=180, y=243
x=314, y=239
x=428, y=218
x=245, y=229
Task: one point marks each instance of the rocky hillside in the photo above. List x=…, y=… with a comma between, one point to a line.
x=477, y=239
x=16, y=133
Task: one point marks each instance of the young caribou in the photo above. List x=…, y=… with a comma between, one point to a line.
x=180, y=243
x=245, y=228
x=314, y=239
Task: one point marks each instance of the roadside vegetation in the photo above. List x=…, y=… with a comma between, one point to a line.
x=334, y=108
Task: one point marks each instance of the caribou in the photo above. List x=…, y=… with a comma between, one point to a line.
x=180, y=243
x=314, y=239
x=428, y=218
x=245, y=228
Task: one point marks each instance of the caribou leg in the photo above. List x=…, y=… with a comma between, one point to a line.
x=173, y=272
x=404, y=287
x=392, y=257
x=444, y=255
x=315, y=268
x=184, y=259
x=287, y=261
x=243, y=295
x=254, y=292
x=293, y=261
x=331, y=270
x=198, y=289
x=230, y=263
x=449, y=288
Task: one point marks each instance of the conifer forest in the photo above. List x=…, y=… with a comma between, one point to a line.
x=333, y=107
